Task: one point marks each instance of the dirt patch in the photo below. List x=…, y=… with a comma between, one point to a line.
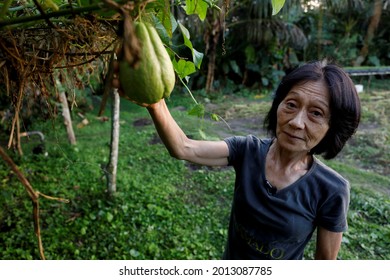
x=155, y=140
x=142, y=122
x=239, y=126
x=239, y=116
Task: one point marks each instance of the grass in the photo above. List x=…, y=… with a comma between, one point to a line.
x=163, y=208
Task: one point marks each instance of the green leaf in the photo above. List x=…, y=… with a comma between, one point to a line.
x=166, y=21
x=183, y=68
x=163, y=30
x=277, y=5
x=198, y=110
x=134, y=253
x=214, y=117
x=198, y=7
x=83, y=231
x=235, y=67
x=173, y=22
x=49, y=4
x=185, y=32
x=250, y=54
x=197, y=57
x=109, y=217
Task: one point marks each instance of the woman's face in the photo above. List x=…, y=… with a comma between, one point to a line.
x=303, y=117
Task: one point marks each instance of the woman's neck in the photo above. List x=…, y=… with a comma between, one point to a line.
x=285, y=167
x=285, y=159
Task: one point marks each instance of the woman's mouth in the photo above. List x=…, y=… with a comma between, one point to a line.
x=294, y=136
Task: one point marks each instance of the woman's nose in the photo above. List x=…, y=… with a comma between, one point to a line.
x=298, y=120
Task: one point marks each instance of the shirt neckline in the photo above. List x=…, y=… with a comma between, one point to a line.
x=273, y=191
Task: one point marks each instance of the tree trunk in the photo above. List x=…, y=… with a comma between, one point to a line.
x=216, y=24
x=373, y=25
x=67, y=118
x=211, y=71
x=320, y=27
x=111, y=169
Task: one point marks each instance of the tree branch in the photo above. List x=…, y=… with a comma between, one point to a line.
x=60, y=13
x=42, y=12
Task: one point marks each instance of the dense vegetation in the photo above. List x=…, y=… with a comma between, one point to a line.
x=165, y=208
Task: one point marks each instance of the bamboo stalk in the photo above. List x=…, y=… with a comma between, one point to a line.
x=112, y=166
x=65, y=12
x=67, y=118
x=4, y=10
x=60, y=13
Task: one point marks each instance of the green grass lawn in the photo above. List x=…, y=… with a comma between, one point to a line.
x=163, y=209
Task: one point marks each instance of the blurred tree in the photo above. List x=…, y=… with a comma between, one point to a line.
x=214, y=28
x=346, y=30
x=372, y=27
x=255, y=46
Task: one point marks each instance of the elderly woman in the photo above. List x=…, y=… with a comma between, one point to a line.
x=282, y=191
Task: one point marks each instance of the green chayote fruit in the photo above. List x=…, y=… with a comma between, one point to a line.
x=154, y=78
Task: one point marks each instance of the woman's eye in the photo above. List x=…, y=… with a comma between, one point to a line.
x=317, y=114
x=290, y=105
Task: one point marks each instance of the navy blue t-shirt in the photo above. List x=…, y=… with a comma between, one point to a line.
x=265, y=224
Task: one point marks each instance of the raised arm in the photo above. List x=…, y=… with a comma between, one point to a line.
x=211, y=153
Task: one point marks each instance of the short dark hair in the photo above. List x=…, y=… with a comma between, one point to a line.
x=344, y=104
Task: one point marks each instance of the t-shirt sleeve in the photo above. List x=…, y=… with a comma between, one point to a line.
x=333, y=212
x=236, y=145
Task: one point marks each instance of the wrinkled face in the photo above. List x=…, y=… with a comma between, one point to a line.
x=303, y=117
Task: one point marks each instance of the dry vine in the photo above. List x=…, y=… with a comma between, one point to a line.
x=29, y=58
x=34, y=195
